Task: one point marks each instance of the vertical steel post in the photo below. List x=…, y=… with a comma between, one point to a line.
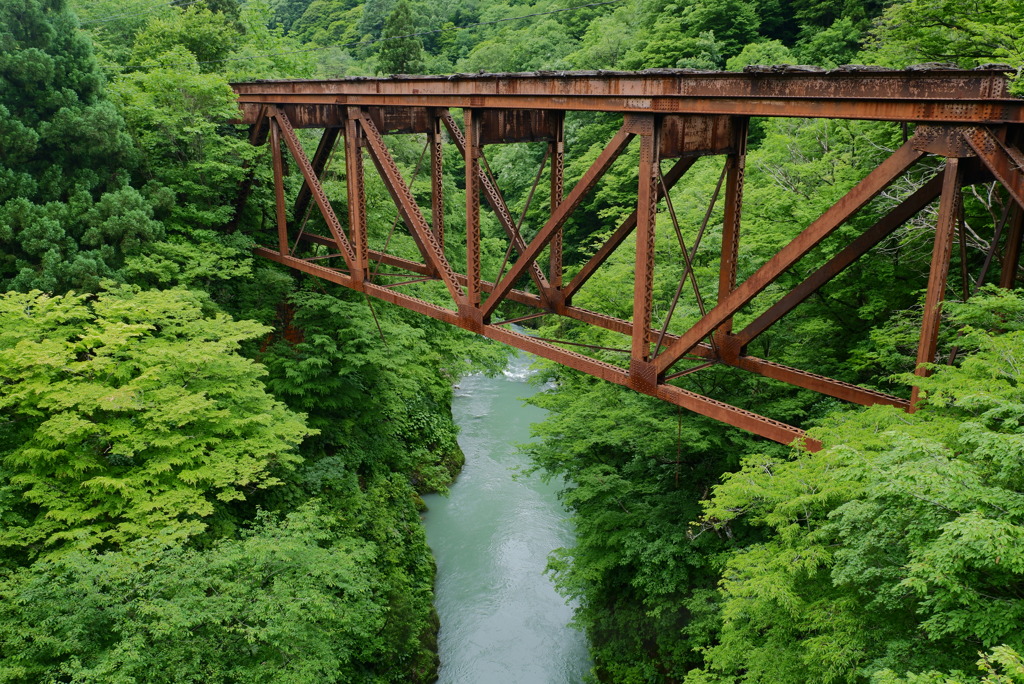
x=436, y=178
x=356, y=196
x=733, y=209
x=472, y=209
x=282, y=217
x=643, y=285
x=1011, y=254
x=950, y=206
x=556, y=151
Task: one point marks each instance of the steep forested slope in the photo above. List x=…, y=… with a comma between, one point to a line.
x=201, y=451
x=209, y=469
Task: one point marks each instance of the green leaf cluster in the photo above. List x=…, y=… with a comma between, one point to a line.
x=294, y=599
x=130, y=414
x=964, y=34
x=67, y=215
x=635, y=470
x=176, y=115
x=896, y=549
x=377, y=389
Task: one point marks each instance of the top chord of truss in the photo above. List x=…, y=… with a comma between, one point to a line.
x=914, y=95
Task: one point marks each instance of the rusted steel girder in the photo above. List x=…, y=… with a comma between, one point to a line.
x=318, y=163
x=948, y=96
x=856, y=249
x=951, y=204
x=282, y=125
x=482, y=180
x=964, y=117
x=735, y=299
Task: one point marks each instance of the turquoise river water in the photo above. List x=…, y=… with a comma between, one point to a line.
x=501, y=620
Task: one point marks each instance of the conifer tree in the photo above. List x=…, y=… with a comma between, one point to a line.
x=67, y=214
x=58, y=132
x=400, y=53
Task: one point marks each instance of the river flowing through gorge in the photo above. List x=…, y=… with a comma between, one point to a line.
x=502, y=622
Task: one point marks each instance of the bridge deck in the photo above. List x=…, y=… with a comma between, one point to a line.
x=946, y=96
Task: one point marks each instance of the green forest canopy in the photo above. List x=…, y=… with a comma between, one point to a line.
x=195, y=443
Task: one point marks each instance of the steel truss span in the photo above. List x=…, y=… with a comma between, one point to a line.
x=965, y=119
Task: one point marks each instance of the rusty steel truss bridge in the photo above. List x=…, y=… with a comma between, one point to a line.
x=967, y=119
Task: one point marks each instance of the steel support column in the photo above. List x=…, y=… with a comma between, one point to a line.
x=436, y=178
x=556, y=151
x=951, y=204
x=472, y=159
x=1011, y=253
x=282, y=217
x=356, y=196
x=735, y=170
x=641, y=373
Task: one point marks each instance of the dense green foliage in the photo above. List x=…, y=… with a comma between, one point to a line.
x=247, y=609
x=169, y=514
x=67, y=214
x=210, y=468
x=130, y=415
x=964, y=34
x=400, y=52
x=61, y=135
x=898, y=547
